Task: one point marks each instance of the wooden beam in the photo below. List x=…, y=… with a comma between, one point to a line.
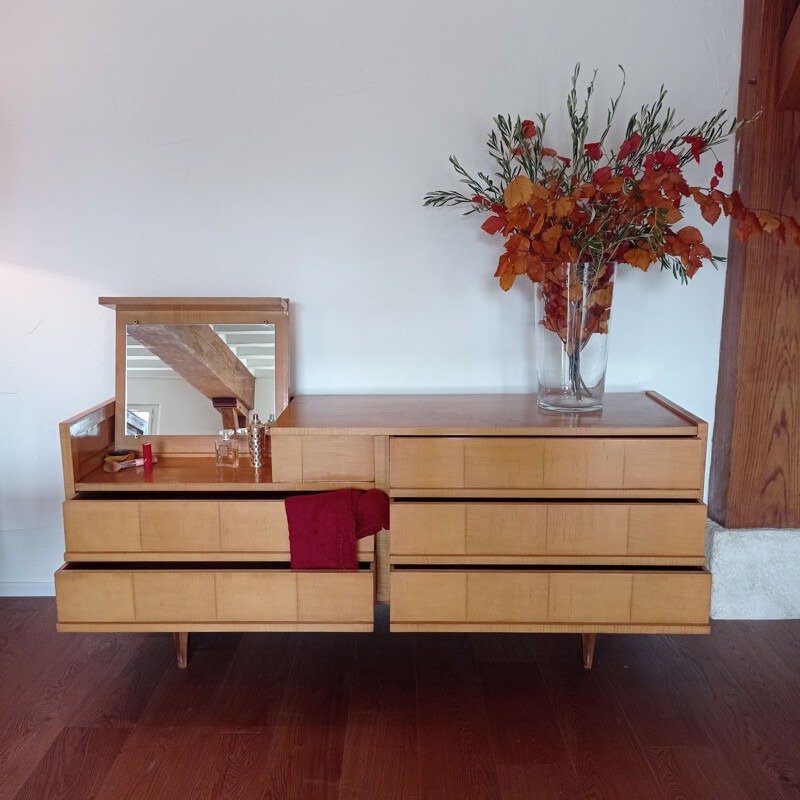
x=201, y=358
x=789, y=86
x=755, y=460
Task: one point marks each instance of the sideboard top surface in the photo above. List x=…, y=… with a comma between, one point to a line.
x=623, y=414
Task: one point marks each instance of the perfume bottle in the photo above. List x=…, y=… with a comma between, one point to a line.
x=227, y=449
x=257, y=440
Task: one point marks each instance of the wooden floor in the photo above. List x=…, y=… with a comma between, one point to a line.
x=397, y=716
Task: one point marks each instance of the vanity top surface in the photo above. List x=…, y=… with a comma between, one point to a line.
x=623, y=414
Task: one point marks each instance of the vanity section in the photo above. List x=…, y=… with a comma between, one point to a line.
x=505, y=517
x=190, y=546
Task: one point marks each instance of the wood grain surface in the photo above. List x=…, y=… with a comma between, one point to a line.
x=755, y=469
x=406, y=716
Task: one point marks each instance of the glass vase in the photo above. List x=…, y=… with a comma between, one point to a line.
x=573, y=307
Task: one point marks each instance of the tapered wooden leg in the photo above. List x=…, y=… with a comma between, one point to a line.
x=181, y=640
x=588, y=649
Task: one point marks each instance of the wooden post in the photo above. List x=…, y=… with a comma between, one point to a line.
x=755, y=468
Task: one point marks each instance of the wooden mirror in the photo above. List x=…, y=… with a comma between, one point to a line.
x=188, y=367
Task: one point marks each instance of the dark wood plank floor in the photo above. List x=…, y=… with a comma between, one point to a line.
x=512, y=717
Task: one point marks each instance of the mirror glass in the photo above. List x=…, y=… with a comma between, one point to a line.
x=195, y=379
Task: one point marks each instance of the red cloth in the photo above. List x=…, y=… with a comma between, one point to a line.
x=324, y=528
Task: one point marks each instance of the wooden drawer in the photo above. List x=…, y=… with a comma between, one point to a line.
x=541, y=532
x=192, y=529
x=556, y=466
x=323, y=458
x=641, y=601
x=185, y=597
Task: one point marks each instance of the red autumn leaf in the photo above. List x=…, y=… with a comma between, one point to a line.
x=627, y=172
x=714, y=182
x=548, y=151
x=602, y=175
x=567, y=161
x=492, y=225
x=690, y=235
x=718, y=169
x=667, y=159
x=528, y=129
x=479, y=199
x=746, y=225
x=593, y=151
x=535, y=268
x=696, y=143
x=629, y=146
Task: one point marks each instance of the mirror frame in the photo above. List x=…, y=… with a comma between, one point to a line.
x=198, y=310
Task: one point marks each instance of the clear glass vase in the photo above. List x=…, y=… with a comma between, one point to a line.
x=573, y=307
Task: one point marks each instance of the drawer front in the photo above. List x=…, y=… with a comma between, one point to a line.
x=545, y=597
x=233, y=529
x=296, y=459
x=173, y=597
x=566, y=464
x=453, y=532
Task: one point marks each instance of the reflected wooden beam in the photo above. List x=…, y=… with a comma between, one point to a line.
x=201, y=358
x=789, y=86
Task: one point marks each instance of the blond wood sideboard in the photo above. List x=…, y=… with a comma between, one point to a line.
x=503, y=518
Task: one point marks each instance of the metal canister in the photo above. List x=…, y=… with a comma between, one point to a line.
x=257, y=440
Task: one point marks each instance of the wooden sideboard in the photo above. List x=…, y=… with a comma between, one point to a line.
x=504, y=517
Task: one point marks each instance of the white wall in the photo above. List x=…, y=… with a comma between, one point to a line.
x=251, y=148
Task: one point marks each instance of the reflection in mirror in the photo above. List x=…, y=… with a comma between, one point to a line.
x=195, y=379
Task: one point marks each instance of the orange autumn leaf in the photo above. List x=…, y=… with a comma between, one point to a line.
x=690, y=235
x=769, y=222
x=503, y=265
x=673, y=215
x=552, y=233
x=507, y=281
x=563, y=206
x=575, y=292
x=710, y=211
x=519, y=192
x=537, y=226
x=637, y=257
x=520, y=217
x=519, y=262
x=519, y=241
x=588, y=190
x=600, y=297
x=612, y=186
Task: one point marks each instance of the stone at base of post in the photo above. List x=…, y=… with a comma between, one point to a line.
x=588, y=640
x=181, y=641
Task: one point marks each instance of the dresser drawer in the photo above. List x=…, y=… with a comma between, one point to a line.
x=542, y=532
x=545, y=599
x=559, y=466
x=193, y=529
x=189, y=597
x=323, y=458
